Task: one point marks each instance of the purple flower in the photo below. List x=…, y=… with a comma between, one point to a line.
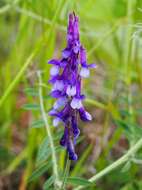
x=66, y=75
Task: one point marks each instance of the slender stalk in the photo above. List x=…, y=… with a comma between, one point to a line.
x=116, y=164
x=15, y=163
x=54, y=160
x=66, y=173
x=101, y=41
x=96, y=103
x=128, y=63
x=136, y=161
x=127, y=51
x=81, y=161
x=8, y=6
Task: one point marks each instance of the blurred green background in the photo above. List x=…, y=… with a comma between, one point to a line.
x=32, y=32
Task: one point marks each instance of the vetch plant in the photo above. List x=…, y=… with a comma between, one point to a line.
x=39, y=160
x=66, y=75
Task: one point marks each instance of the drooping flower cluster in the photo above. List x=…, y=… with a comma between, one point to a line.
x=66, y=75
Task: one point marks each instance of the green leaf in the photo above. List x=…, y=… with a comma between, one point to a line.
x=132, y=130
x=39, y=171
x=31, y=92
x=46, y=153
x=38, y=123
x=125, y=127
x=78, y=181
x=48, y=183
x=138, y=111
x=126, y=167
x=80, y=162
x=43, y=150
x=137, y=130
x=58, y=135
x=122, y=124
x=125, y=113
x=31, y=107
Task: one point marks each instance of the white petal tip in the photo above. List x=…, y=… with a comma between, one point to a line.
x=56, y=121
x=76, y=103
x=88, y=116
x=59, y=85
x=71, y=90
x=54, y=70
x=84, y=72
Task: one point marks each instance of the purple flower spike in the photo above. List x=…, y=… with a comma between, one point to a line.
x=66, y=75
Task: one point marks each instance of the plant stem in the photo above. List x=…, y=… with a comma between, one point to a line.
x=101, y=41
x=129, y=52
x=96, y=103
x=116, y=164
x=54, y=160
x=8, y=6
x=66, y=173
x=128, y=64
x=81, y=161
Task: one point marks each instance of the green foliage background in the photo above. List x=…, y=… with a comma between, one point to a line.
x=32, y=32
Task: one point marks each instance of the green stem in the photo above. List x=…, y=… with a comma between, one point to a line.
x=116, y=164
x=16, y=162
x=81, y=161
x=128, y=62
x=128, y=55
x=101, y=41
x=66, y=173
x=54, y=160
x=96, y=103
x=8, y=6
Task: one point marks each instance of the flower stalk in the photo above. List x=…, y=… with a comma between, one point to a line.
x=54, y=160
x=126, y=157
x=66, y=173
